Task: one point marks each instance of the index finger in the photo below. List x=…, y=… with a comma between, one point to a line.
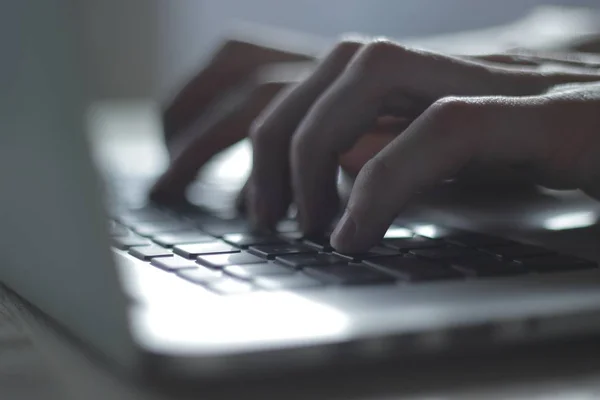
x=448, y=136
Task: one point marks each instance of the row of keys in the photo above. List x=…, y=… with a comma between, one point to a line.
x=402, y=256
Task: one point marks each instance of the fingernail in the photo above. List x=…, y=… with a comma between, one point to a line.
x=344, y=233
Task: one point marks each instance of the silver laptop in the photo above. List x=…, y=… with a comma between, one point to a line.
x=186, y=294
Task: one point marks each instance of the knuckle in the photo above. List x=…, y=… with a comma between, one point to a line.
x=376, y=54
x=345, y=48
x=452, y=111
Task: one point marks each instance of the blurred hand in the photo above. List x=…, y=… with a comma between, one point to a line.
x=503, y=111
x=191, y=136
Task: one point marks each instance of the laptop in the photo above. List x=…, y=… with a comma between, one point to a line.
x=189, y=294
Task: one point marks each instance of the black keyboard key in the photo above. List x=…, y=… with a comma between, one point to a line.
x=516, y=251
x=556, y=263
x=154, y=228
x=312, y=259
x=222, y=260
x=200, y=275
x=193, y=250
x=251, y=271
x=271, y=251
x=127, y=242
x=351, y=274
x=472, y=239
x=283, y=282
x=184, y=237
x=443, y=253
x=250, y=239
x=174, y=263
x=321, y=243
x=487, y=266
x=377, y=251
x=229, y=286
x=147, y=253
x=415, y=242
x=414, y=269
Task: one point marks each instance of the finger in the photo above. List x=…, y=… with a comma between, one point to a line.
x=269, y=193
x=350, y=106
x=450, y=134
x=229, y=67
x=217, y=137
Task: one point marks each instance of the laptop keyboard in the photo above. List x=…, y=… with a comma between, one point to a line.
x=226, y=258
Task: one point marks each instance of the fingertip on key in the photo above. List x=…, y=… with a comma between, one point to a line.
x=343, y=237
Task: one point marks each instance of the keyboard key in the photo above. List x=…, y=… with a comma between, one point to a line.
x=321, y=243
x=249, y=239
x=415, y=242
x=443, y=253
x=516, y=251
x=126, y=242
x=271, y=251
x=484, y=266
x=477, y=240
x=184, y=237
x=200, y=275
x=377, y=251
x=146, y=253
x=222, y=260
x=251, y=271
x=414, y=269
x=312, y=259
x=351, y=274
x=193, y=250
x=154, y=228
x=174, y=263
x=229, y=286
x=295, y=281
x=556, y=263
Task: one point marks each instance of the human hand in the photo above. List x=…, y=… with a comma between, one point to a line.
x=192, y=133
x=467, y=111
